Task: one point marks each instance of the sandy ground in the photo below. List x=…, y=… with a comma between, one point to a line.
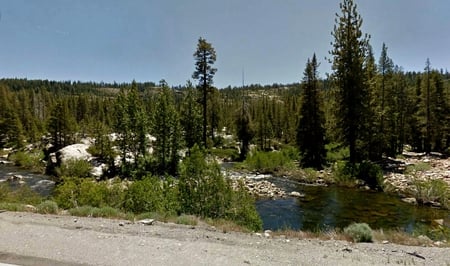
x=33, y=239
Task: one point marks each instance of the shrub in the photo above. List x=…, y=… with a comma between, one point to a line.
x=418, y=167
x=360, y=232
x=144, y=195
x=270, y=162
x=335, y=152
x=47, y=207
x=344, y=173
x=74, y=168
x=29, y=160
x=243, y=211
x=74, y=192
x=22, y=194
x=106, y=212
x=435, y=190
x=83, y=211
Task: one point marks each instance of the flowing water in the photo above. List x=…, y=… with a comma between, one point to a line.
x=16, y=177
x=336, y=207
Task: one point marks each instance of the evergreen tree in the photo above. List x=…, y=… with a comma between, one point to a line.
x=310, y=130
x=205, y=56
x=245, y=131
x=191, y=119
x=349, y=51
x=167, y=131
x=62, y=125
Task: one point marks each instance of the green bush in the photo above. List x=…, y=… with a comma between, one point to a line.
x=344, y=173
x=144, y=195
x=418, y=167
x=360, y=232
x=106, y=212
x=29, y=160
x=74, y=168
x=73, y=192
x=435, y=190
x=47, y=207
x=22, y=194
x=243, y=211
x=13, y=207
x=270, y=162
x=335, y=152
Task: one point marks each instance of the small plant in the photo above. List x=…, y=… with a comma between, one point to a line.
x=28, y=160
x=74, y=168
x=187, y=220
x=344, y=173
x=418, y=167
x=360, y=232
x=47, y=207
x=434, y=190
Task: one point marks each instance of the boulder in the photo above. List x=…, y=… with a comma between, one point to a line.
x=74, y=152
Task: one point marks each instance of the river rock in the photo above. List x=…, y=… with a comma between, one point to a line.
x=296, y=194
x=410, y=200
x=146, y=221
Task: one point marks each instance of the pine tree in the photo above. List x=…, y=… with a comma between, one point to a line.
x=245, y=130
x=191, y=119
x=310, y=130
x=349, y=51
x=205, y=56
x=167, y=131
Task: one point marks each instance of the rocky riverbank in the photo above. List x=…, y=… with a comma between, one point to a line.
x=405, y=176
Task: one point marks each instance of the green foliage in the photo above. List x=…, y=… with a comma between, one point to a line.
x=204, y=56
x=428, y=191
x=47, y=207
x=21, y=194
x=310, y=129
x=242, y=209
x=145, y=195
x=417, y=167
x=13, y=207
x=203, y=189
x=344, y=173
x=350, y=79
x=73, y=192
x=28, y=160
x=167, y=131
x=360, y=232
x=74, y=168
x=89, y=211
x=371, y=173
x=270, y=162
x=228, y=154
x=335, y=152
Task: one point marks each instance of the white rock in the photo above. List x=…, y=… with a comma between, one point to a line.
x=146, y=221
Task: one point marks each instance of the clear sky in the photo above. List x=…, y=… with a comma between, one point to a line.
x=150, y=40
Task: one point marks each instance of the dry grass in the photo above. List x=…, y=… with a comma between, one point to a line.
x=322, y=235
x=226, y=226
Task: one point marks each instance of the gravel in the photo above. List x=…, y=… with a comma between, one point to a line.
x=34, y=239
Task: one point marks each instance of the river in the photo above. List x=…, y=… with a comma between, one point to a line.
x=336, y=207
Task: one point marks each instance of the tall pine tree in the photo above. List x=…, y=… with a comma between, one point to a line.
x=310, y=130
x=348, y=55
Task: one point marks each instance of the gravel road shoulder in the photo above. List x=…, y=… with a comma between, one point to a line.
x=34, y=239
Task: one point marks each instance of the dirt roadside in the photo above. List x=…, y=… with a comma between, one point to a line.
x=33, y=239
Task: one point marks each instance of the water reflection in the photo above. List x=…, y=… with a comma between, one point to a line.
x=333, y=207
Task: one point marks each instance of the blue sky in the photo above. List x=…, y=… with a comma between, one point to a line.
x=150, y=40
